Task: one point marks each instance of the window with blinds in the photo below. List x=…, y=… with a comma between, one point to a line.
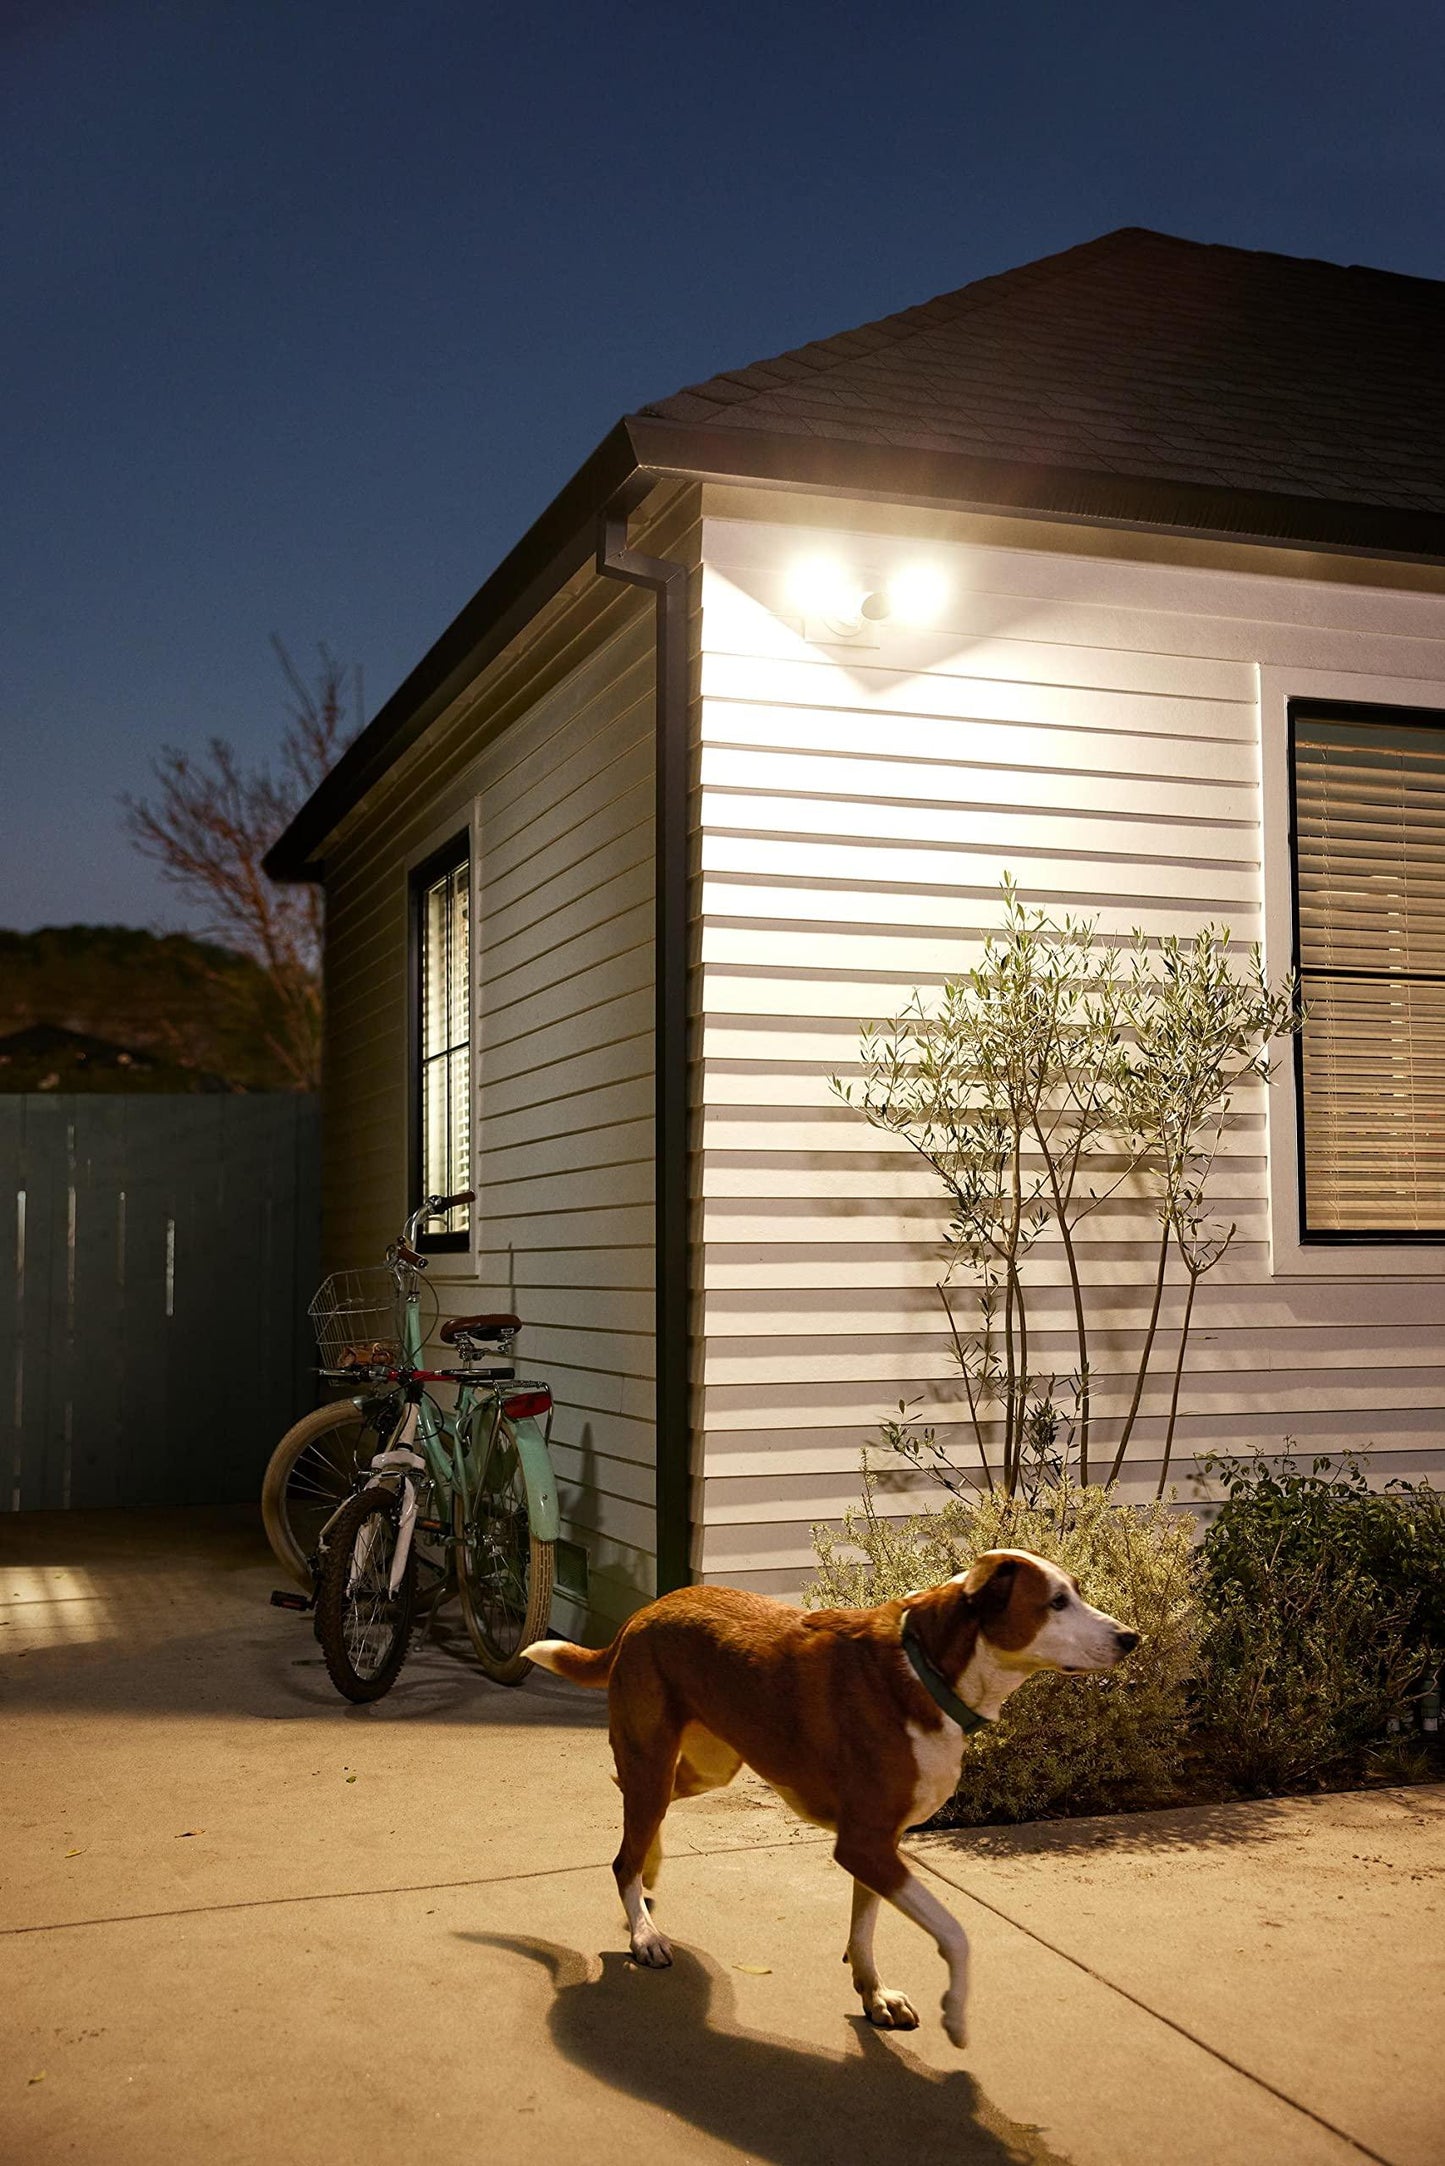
x=442, y=1037
x=1369, y=847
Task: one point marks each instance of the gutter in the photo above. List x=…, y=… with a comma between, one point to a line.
x=666, y=581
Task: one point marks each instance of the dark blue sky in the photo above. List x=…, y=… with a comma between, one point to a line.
x=310, y=307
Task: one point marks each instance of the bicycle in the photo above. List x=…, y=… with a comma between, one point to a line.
x=374, y=1490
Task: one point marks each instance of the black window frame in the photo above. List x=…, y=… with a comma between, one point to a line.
x=1304, y=709
x=457, y=851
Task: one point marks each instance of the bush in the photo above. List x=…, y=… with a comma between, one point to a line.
x=1326, y=1609
x=1062, y=1744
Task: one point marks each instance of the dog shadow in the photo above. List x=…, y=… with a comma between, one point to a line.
x=670, y=2038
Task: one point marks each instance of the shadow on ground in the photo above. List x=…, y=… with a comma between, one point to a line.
x=1178, y=1827
x=117, y=1612
x=1248, y=1822
x=670, y=2039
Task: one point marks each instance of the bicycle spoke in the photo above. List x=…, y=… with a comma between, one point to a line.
x=370, y=1615
x=498, y=1547
x=323, y=1477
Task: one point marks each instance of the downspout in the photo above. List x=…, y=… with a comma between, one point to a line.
x=667, y=582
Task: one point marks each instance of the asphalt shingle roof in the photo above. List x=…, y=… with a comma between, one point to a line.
x=1136, y=355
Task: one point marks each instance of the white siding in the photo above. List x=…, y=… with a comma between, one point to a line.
x=1090, y=725
x=551, y=757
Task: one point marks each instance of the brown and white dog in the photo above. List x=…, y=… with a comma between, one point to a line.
x=843, y=1711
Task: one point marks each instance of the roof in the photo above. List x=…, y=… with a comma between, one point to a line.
x=1137, y=380
x=1137, y=354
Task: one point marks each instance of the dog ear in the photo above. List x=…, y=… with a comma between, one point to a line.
x=990, y=1582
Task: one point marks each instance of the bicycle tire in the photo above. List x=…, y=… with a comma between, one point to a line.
x=378, y=1622
x=504, y=1573
x=306, y=1480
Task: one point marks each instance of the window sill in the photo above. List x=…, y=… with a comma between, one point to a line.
x=1423, y=1260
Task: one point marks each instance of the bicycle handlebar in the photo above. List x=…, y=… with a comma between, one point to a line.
x=433, y=1207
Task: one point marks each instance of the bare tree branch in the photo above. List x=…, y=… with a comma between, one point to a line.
x=209, y=826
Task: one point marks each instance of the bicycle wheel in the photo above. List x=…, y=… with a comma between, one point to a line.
x=504, y=1574
x=364, y=1628
x=312, y=1470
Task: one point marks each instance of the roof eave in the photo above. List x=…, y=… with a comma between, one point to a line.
x=957, y=482
x=643, y=449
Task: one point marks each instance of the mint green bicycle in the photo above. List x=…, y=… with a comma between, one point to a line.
x=383, y=1503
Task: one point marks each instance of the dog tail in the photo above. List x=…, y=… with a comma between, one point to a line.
x=579, y=1665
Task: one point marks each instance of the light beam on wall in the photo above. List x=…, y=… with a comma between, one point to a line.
x=846, y=603
x=917, y=594
x=823, y=587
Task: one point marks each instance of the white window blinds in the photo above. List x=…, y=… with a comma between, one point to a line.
x=1370, y=893
x=444, y=1038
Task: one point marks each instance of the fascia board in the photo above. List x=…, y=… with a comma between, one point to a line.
x=953, y=481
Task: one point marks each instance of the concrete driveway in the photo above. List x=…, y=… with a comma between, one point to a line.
x=243, y=1923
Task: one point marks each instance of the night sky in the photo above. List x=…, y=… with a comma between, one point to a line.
x=309, y=308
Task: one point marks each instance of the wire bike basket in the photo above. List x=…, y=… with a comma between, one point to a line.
x=357, y=1317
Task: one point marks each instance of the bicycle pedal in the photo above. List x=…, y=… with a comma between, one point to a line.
x=429, y=1526
x=283, y=1598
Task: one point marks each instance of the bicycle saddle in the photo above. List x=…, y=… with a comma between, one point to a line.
x=476, y=1327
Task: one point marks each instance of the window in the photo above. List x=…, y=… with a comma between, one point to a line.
x=442, y=1037
x=1369, y=864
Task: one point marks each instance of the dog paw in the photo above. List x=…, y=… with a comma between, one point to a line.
x=653, y=1950
x=953, y=2021
x=890, y=2011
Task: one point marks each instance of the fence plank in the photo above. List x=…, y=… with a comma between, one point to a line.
x=44, y=1176
x=94, y=1365
x=12, y=1378
x=152, y=1295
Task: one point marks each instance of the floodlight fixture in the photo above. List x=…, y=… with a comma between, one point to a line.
x=832, y=596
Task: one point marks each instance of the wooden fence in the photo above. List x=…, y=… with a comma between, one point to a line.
x=156, y=1258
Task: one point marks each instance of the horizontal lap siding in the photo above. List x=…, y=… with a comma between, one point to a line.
x=565, y=1129
x=1089, y=726
x=555, y=752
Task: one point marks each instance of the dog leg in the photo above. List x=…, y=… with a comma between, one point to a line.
x=873, y=1859
x=646, y=1789
x=923, y=1907
x=890, y=2011
x=649, y=1947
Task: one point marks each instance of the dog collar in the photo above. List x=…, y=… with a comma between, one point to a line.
x=936, y=1685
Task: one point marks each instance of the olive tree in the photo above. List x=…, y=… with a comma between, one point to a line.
x=1062, y=1072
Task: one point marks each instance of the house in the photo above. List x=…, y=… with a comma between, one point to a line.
x=1159, y=529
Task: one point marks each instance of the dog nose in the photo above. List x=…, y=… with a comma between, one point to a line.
x=1125, y=1641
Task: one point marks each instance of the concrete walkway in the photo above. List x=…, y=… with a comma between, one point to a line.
x=243, y=1923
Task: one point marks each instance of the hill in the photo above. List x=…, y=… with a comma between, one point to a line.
x=196, y=1013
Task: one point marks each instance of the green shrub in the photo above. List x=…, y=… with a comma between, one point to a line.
x=1395, y=1536
x=1326, y=1608
x=1062, y=1744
